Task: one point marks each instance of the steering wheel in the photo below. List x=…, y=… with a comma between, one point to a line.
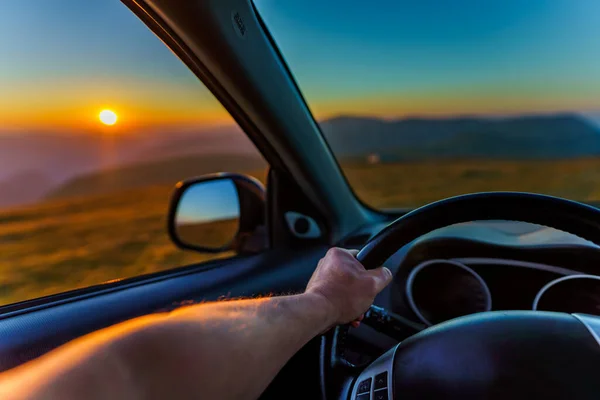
x=493, y=355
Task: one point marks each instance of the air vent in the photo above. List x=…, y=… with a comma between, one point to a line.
x=302, y=226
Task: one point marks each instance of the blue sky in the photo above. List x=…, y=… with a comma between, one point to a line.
x=72, y=38
x=441, y=57
x=62, y=61
x=209, y=201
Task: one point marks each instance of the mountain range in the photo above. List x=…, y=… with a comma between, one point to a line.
x=529, y=137
x=43, y=164
x=162, y=172
x=38, y=163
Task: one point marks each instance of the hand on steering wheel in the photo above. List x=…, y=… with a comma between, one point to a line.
x=346, y=285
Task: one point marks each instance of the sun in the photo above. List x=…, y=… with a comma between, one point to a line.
x=108, y=117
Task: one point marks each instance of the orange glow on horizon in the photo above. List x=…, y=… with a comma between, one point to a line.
x=85, y=119
x=157, y=105
x=447, y=105
x=75, y=106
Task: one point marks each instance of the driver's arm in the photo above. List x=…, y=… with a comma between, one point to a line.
x=222, y=350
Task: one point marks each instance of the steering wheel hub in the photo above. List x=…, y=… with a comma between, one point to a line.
x=494, y=355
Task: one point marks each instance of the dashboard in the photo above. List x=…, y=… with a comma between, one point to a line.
x=487, y=266
x=496, y=265
x=439, y=290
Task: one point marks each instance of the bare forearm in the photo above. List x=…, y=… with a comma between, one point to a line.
x=234, y=349
x=226, y=350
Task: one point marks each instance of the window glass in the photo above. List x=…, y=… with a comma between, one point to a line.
x=422, y=100
x=98, y=121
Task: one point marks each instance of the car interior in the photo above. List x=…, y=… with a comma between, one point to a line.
x=494, y=295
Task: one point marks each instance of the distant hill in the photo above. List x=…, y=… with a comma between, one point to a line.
x=61, y=155
x=24, y=188
x=168, y=172
x=216, y=140
x=65, y=164
x=538, y=137
x=58, y=156
x=34, y=163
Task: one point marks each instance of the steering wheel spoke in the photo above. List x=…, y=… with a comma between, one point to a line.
x=375, y=381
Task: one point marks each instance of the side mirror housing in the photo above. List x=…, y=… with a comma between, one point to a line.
x=217, y=213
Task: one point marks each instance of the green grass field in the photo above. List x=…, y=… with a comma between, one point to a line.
x=81, y=241
x=70, y=243
x=418, y=183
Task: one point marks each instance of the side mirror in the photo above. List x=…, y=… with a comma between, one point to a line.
x=217, y=213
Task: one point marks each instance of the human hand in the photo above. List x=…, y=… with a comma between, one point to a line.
x=346, y=286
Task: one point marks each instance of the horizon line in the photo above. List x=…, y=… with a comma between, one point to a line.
x=588, y=115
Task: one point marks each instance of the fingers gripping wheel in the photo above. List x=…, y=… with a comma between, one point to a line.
x=491, y=355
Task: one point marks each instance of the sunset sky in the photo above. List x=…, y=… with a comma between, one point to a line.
x=63, y=61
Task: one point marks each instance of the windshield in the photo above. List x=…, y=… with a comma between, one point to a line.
x=421, y=100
